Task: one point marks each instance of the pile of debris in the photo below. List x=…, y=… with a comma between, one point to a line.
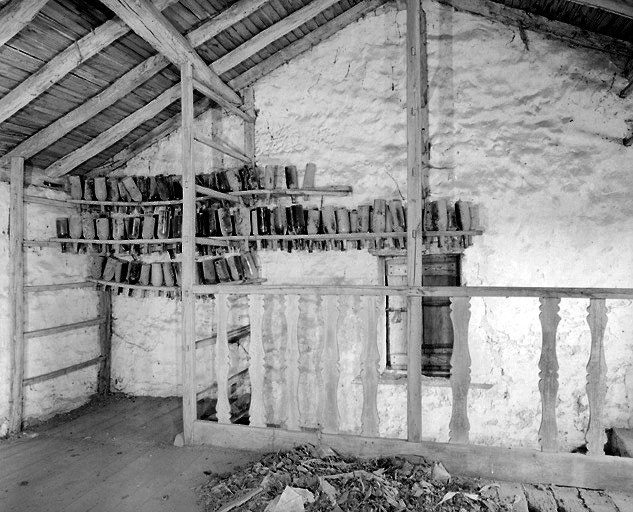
x=318, y=479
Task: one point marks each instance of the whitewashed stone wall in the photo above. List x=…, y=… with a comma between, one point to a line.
x=533, y=136
x=47, y=265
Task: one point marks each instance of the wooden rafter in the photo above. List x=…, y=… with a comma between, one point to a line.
x=619, y=7
x=148, y=22
x=267, y=66
x=130, y=81
x=528, y=21
x=17, y=15
x=115, y=133
x=226, y=63
x=63, y=63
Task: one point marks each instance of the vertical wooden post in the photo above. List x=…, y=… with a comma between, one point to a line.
x=417, y=190
x=369, y=371
x=105, y=340
x=16, y=292
x=189, y=413
x=460, y=370
x=596, y=377
x=548, y=382
x=249, y=128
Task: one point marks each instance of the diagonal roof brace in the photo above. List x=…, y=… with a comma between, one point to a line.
x=150, y=24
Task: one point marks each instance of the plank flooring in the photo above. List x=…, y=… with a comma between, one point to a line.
x=117, y=455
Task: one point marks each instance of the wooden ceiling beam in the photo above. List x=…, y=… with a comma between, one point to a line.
x=270, y=35
x=67, y=163
x=129, y=81
x=64, y=62
x=619, y=7
x=519, y=18
x=17, y=15
x=280, y=58
x=147, y=21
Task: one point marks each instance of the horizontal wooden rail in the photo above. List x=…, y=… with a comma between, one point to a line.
x=310, y=191
x=423, y=291
x=222, y=147
x=138, y=241
x=55, y=287
x=209, y=192
x=62, y=371
x=57, y=203
x=115, y=284
x=63, y=328
x=346, y=236
x=232, y=336
x=125, y=203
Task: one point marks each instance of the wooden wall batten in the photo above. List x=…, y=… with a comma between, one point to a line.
x=417, y=190
x=16, y=293
x=188, y=255
x=548, y=375
x=596, y=377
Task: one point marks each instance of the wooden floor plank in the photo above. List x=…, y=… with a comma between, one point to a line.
x=539, y=499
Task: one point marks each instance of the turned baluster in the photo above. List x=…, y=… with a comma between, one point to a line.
x=596, y=377
x=329, y=371
x=257, y=411
x=293, y=415
x=459, y=426
x=222, y=360
x=548, y=375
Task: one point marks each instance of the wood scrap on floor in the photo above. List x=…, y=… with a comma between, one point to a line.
x=317, y=479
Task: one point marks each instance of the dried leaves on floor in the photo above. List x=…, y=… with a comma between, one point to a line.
x=317, y=479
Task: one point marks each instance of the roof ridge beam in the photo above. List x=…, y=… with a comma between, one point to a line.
x=17, y=15
x=129, y=81
x=147, y=21
x=63, y=63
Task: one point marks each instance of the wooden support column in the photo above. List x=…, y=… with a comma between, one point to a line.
x=105, y=340
x=417, y=190
x=249, y=128
x=16, y=292
x=188, y=256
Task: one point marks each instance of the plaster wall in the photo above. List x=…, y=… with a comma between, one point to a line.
x=47, y=265
x=531, y=132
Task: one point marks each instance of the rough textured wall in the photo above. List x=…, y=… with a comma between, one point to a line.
x=47, y=265
x=533, y=136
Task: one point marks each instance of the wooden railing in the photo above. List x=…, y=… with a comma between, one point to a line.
x=459, y=427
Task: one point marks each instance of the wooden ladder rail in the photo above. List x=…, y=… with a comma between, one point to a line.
x=18, y=289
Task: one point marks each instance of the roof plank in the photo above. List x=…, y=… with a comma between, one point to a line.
x=106, y=139
x=129, y=81
x=619, y=7
x=64, y=63
x=17, y=15
x=147, y=21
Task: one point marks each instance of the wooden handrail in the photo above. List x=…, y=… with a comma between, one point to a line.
x=422, y=291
